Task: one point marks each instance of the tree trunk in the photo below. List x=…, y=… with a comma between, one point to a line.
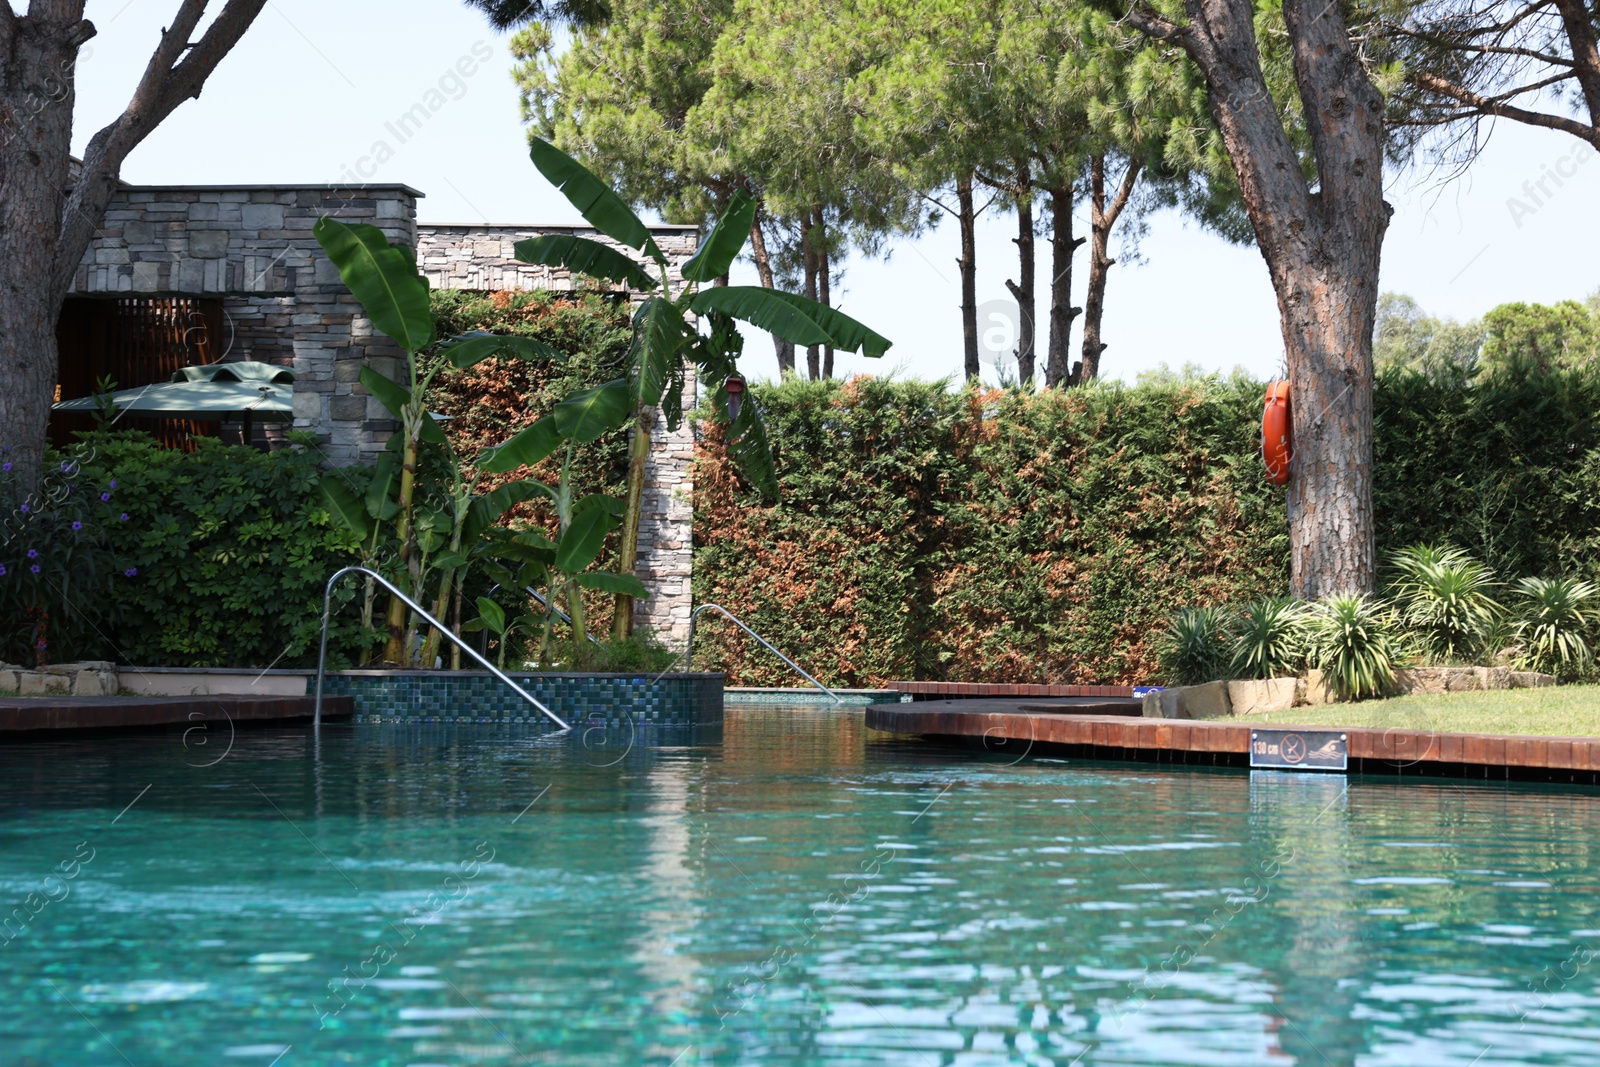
x=1062, y=247
x=823, y=280
x=808, y=257
x=1022, y=290
x=1102, y=220
x=758, y=252
x=633, y=513
x=45, y=229
x=1322, y=250
x=969, y=274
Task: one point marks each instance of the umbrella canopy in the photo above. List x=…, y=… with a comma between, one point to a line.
x=217, y=391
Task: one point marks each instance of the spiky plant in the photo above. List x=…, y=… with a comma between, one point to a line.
x=1268, y=638
x=1194, y=648
x=1353, y=643
x=1554, y=619
x=1444, y=598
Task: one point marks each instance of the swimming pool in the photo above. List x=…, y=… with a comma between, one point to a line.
x=797, y=892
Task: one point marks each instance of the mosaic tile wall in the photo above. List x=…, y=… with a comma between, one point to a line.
x=480, y=697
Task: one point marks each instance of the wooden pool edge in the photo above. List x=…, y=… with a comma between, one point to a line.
x=33, y=716
x=1424, y=753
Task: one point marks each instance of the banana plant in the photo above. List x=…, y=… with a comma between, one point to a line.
x=665, y=334
x=384, y=278
x=584, y=523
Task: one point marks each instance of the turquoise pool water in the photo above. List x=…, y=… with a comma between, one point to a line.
x=794, y=893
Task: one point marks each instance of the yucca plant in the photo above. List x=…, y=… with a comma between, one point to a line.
x=1194, y=648
x=1444, y=598
x=1352, y=642
x=1268, y=638
x=1554, y=617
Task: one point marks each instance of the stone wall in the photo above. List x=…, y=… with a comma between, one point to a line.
x=282, y=298
x=484, y=257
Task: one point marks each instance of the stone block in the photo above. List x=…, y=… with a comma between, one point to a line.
x=87, y=683
x=146, y=277
x=1150, y=705
x=1493, y=677
x=306, y=405
x=138, y=232
x=1208, y=701
x=43, y=683
x=191, y=275
x=262, y=216
x=347, y=371
x=104, y=254
x=1317, y=691
x=208, y=244
x=8, y=682
x=203, y=211
x=347, y=408
x=1263, y=695
x=1530, y=680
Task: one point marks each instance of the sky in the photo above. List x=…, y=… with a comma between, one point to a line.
x=311, y=88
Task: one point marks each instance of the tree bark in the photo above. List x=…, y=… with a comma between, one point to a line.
x=969, y=274
x=758, y=252
x=45, y=229
x=823, y=282
x=808, y=258
x=1022, y=290
x=1062, y=247
x=1322, y=250
x=1102, y=219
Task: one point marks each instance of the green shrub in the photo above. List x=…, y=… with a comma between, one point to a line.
x=1352, y=641
x=1554, y=619
x=225, y=552
x=1268, y=638
x=1194, y=648
x=1443, y=598
x=639, y=653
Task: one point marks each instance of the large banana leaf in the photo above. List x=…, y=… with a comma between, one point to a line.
x=748, y=446
x=473, y=348
x=485, y=511
x=346, y=509
x=383, y=277
x=380, y=500
x=658, y=335
x=604, y=209
x=585, y=537
x=394, y=397
x=601, y=500
x=586, y=415
x=713, y=258
x=793, y=318
x=607, y=582
x=524, y=449
x=583, y=256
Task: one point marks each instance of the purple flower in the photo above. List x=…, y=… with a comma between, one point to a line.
x=33, y=553
x=113, y=483
x=34, y=568
x=124, y=516
x=6, y=467
x=26, y=509
x=2, y=570
x=105, y=496
x=77, y=526
x=129, y=573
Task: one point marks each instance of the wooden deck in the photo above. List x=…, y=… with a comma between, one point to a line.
x=30, y=714
x=1391, y=751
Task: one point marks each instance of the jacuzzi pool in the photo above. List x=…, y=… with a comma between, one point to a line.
x=793, y=892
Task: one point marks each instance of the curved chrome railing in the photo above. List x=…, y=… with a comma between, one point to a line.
x=688, y=652
x=322, y=656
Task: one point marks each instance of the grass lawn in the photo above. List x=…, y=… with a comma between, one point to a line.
x=1562, y=711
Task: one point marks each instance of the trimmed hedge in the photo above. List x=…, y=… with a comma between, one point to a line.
x=1001, y=536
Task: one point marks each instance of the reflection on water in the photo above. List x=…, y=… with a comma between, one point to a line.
x=791, y=892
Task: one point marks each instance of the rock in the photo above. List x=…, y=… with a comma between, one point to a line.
x=1171, y=704
x=91, y=683
x=43, y=683
x=1208, y=701
x=8, y=682
x=1150, y=705
x=1530, y=680
x=1317, y=690
x=1259, y=696
x=1493, y=677
x=1436, y=680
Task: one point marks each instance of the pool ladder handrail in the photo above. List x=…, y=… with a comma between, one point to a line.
x=688, y=652
x=322, y=656
x=483, y=642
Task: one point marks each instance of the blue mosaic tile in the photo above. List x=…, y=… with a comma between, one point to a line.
x=480, y=697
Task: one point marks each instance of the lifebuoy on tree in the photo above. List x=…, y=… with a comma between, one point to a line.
x=1277, y=448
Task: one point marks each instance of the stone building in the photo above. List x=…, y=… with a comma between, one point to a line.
x=196, y=274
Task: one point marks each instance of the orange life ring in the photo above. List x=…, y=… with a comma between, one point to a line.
x=1277, y=450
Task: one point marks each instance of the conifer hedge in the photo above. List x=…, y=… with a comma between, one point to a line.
x=1000, y=536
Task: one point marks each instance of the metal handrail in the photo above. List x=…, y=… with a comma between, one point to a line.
x=688, y=652
x=322, y=656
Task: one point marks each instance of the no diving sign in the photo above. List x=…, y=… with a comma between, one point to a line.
x=1300, y=750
